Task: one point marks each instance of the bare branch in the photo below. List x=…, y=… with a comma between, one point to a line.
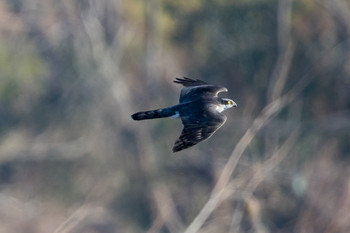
x=267, y=114
x=166, y=208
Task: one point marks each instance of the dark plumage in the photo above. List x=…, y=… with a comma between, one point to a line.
x=199, y=109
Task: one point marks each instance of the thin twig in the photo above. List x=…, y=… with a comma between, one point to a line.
x=166, y=208
x=267, y=114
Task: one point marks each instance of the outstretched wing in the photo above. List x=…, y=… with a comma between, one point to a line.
x=197, y=130
x=187, y=82
x=197, y=89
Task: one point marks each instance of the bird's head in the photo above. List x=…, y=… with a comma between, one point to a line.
x=226, y=104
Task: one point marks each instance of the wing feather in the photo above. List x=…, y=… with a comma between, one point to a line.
x=187, y=82
x=195, y=132
x=197, y=89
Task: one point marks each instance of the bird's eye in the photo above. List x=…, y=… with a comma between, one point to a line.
x=229, y=102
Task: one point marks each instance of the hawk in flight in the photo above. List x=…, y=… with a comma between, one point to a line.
x=200, y=110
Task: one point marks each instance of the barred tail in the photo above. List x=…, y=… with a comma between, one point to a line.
x=158, y=113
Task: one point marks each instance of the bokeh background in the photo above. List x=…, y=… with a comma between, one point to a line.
x=72, y=73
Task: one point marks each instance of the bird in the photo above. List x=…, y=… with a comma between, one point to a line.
x=200, y=109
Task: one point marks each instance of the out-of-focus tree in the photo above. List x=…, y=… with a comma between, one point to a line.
x=72, y=72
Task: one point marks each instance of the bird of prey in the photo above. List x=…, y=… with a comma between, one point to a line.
x=200, y=110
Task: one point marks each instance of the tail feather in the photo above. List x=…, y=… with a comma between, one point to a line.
x=158, y=113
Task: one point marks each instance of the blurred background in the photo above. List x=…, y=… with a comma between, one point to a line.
x=72, y=73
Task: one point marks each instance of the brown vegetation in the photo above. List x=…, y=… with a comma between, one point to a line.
x=72, y=73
